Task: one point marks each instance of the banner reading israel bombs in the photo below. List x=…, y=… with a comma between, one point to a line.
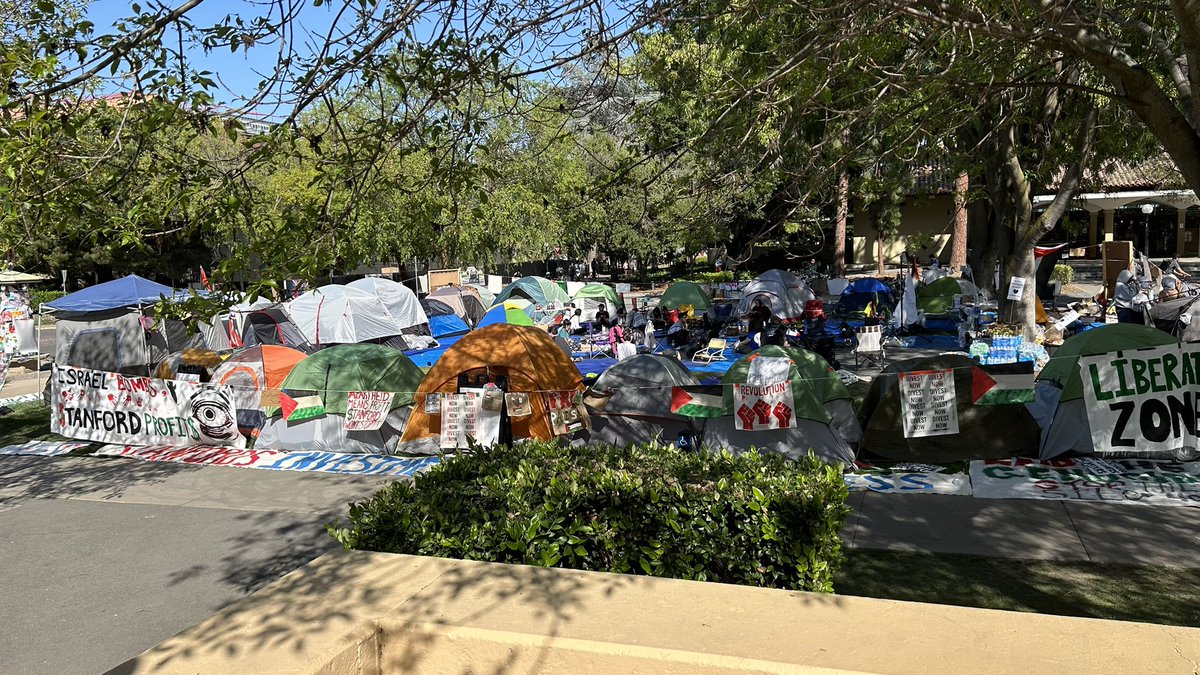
x=1144, y=401
x=95, y=405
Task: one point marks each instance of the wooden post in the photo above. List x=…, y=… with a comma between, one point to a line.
x=958, y=254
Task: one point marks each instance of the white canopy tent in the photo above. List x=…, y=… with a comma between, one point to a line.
x=336, y=314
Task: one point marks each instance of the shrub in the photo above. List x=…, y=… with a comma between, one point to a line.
x=37, y=297
x=1064, y=274
x=758, y=520
x=712, y=277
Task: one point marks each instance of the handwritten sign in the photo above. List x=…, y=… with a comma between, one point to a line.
x=1118, y=481
x=460, y=419
x=366, y=410
x=1016, y=288
x=927, y=403
x=760, y=408
x=94, y=405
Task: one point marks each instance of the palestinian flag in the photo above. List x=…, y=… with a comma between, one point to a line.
x=1002, y=384
x=696, y=403
x=301, y=407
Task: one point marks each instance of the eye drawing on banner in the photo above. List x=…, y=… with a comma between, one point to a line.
x=213, y=411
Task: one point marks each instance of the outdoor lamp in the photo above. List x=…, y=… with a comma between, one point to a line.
x=1147, y=209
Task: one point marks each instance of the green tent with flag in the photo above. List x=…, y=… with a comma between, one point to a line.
x=684, y=293
x=539, y=290
x=937, y=298
x=1059, y=406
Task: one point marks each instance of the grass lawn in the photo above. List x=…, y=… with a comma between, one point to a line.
x=1164, y=595
x=26, y=422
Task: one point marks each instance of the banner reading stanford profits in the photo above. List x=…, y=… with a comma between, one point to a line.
x=95, y=405
x=1144, y=401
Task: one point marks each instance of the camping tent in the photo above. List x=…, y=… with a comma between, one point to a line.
x=272, y=326
x=984, y=431
x=502, y=314
x=591, y=296
x=862, y=292
x=194, y=363
x=937, y=298
x=464, y=300
x=400, y=302
x=486, y=297
x=538, y=290
x=527, y=358
x=249, y=372
x=684, y=293
x=1059, y=406
x=639, y=409
x=443, y=322
x=781, y=291
x=823, y=417
x=332, y=373
x=336, y=314
x=104, y=327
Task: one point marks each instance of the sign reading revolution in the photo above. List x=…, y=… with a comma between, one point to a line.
x=1144, y=401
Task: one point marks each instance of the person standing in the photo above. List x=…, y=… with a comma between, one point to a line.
x=1125, y=297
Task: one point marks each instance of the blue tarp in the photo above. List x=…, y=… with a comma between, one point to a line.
x=127, y=292
x=862, y=292
x=446, y=325
x=425, y=358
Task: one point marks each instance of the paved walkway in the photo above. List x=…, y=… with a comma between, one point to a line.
x=1025, y=528
x=105, y=558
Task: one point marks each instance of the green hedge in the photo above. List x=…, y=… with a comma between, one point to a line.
x=712, y=277
x=758, y=520
x=37, y=297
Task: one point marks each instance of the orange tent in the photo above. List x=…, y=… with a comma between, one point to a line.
x=528, y=357
x=257, y=368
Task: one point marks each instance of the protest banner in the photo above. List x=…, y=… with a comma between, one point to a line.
x=927, y=402
x=460, y=419
x=42, y=448
x=910, y=482
x=1121, y=481
x=275, y=460
x=5, y=358
x=759, y=408
x=107, y=407
x=366, y=410
x=1143, y=401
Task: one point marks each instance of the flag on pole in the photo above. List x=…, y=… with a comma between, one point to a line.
x=204, y=279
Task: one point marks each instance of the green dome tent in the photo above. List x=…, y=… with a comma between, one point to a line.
x=824, y=419
x=1059, y=406
x=984, y=431
x=602, y=292
x=682, y=293
x=938, y=297
x=538, y=289
x=332, y=373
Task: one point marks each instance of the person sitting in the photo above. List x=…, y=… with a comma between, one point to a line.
x=1170, y=288
x=671, y=316
x=601, y=317
x=678, y=335
x=758, y=316
x=577, y=327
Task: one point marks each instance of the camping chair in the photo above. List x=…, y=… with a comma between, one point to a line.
x=870, y=347
x=714, y=351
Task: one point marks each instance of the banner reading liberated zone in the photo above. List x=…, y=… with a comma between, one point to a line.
x=95, y=405
x=1145, y=401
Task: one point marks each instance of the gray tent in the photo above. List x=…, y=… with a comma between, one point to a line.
x=984, y=431
x=272, y=326
x=115, y=341
x=1179, y=317
x=328, y=433
x=639, y=409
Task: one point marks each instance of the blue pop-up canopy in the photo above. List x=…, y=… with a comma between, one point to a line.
x=129, y=291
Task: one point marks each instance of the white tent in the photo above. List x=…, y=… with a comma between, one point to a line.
x=336, y=314
x=781, y=291
x=399, y=300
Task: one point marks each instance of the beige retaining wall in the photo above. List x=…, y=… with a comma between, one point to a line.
x=365, y=613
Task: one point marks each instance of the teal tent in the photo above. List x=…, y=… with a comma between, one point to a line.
x=539, y=290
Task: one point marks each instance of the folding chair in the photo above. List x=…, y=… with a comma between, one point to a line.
x=714, y=351
x=870, y=347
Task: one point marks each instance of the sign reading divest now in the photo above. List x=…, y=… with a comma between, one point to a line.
x=927, y=401
x=1145, y=400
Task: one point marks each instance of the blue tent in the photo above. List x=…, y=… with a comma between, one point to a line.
x=443, y=321
x=129, y=291
x=861, y=293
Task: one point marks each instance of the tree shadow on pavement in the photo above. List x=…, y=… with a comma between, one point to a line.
x=35, y=477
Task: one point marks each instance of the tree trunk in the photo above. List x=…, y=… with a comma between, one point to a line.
x=839, y=225
x=878, y=252
x=958, y=252
x=1022, y=312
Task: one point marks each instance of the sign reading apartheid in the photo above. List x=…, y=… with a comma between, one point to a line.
x=1144, y=401
x=927, y=402
x=1123, y=481
x=95, y=405
x=366, y=410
